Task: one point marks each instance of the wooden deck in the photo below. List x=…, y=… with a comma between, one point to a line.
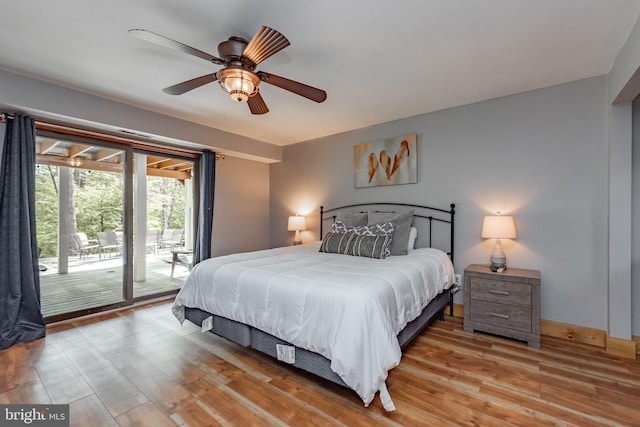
x=94, y=282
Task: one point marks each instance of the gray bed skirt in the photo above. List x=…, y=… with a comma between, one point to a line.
x=309, y=361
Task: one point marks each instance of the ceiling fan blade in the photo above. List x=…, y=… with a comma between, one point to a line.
x=257, y=105
x=298, y=88
x=265, y=43
x=183, y=87
x=172, y=44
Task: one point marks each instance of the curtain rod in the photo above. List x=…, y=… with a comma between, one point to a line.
x=4, y=116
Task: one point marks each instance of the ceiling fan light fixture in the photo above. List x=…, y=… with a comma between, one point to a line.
x=238, y=82
x=239, y=58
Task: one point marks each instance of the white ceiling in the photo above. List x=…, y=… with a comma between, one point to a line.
x=378, y=60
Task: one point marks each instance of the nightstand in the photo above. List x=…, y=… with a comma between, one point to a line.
x=506, y=303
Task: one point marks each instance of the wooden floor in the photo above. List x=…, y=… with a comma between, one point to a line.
x=94, y=282
x=137, y=366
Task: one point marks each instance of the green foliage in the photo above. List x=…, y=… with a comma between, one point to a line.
x=98, y=204
x=47, y=209
x=98, y=201
x=165, y=203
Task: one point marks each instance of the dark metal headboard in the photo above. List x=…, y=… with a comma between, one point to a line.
x=446, y=217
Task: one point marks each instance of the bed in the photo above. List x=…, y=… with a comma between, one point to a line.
x=332, y=307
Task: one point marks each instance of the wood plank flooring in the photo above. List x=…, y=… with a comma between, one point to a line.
x=138, y=366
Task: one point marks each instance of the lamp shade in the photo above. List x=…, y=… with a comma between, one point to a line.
x=498, y=227
x=296, y=223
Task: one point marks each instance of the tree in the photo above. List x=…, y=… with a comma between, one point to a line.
x=47, y=210
x=97, y=204
x=98, y=201
x=165, y=203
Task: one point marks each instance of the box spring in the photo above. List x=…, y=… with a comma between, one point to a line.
x=315, y=363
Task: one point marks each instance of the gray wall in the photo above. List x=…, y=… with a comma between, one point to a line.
x=635, y=226
x=623, y=88
x=63, y=105
x=541, y=156
x=241, y=206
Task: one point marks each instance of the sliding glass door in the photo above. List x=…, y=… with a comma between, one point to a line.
x=80, y=190
x=162, y=223
x=114, y=224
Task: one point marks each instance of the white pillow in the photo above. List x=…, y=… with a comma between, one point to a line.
x=413, y=235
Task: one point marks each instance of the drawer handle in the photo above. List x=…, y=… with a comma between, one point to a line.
x=497, y=292
x=501, y=316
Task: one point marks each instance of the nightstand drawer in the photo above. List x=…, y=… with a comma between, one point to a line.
x=502, y=292
x=505, y=316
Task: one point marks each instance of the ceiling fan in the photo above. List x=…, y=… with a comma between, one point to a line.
x=240, y=58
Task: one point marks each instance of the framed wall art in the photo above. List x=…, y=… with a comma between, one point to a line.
x=386, y=162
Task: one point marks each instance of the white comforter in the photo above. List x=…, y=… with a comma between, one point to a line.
x=349, y=309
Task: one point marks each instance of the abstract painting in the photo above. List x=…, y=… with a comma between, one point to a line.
x=386, y=162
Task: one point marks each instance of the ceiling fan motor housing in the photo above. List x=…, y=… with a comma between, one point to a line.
x=231, y=50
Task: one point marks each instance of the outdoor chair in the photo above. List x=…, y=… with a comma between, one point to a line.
x=177, y=238
x=119, y=236
x=165, y=238
x=108, y=243
x=84, y=244
x=152, y=240
x=171, y=238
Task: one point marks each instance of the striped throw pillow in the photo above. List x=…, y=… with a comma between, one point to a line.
x=337, y=243
x=370, y=246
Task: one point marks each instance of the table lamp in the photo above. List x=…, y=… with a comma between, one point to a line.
x=498, y=227
x=297, y=224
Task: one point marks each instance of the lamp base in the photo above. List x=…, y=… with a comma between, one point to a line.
x=498, y=258
x=297, y=240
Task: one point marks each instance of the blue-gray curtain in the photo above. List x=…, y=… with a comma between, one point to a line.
x=205, y=213
x=20, y=314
